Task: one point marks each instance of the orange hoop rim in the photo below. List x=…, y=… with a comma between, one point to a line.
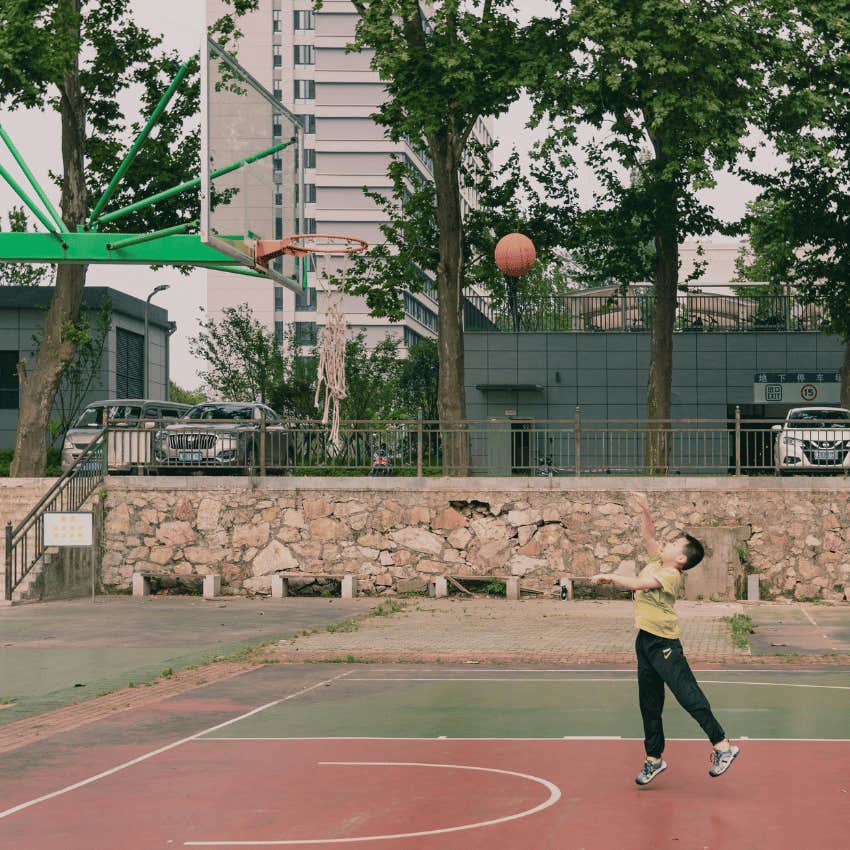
x=293, y=246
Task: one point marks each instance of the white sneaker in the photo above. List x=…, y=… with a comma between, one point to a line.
x=721, y=760
x=650, y=770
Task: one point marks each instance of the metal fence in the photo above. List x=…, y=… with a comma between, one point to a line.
x=505, y=447
x=25, y=542
x=633, y=313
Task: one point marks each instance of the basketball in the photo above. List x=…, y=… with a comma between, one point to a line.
x=515, y=254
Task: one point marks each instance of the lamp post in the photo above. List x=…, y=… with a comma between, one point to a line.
x=145, y=370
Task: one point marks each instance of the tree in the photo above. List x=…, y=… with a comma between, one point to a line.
x=670, y=87
x=443, y=70
x=244, y=360
x=800, y=225
x=417, y=382
x=181, y=396
x=77, y=56
x=22, y=274
x=90, y=335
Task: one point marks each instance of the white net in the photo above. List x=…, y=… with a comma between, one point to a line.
x=331, y=367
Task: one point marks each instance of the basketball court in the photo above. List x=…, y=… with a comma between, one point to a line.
x=440, y=757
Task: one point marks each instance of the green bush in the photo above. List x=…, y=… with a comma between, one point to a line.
x=54, y=463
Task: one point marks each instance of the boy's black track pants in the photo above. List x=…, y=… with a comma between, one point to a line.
x=662, y=661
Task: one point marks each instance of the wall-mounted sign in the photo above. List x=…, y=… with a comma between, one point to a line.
x=68, y=529
x=797, y=388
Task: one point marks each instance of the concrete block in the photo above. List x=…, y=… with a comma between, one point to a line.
x=753, y=593
x=212, y=587
x=349, y=587
x=441, y=587
x=512, y=589
x=141, y=585
x=280, y=587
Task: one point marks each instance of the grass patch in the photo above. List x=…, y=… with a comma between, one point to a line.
x=350, y=625
x=741, y=626
x=167, y=673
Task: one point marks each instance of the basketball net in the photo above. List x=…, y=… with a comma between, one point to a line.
x=331, y=368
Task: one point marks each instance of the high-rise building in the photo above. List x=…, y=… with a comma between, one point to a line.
x=300, y=55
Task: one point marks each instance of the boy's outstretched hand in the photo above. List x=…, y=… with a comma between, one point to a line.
x=601, y=578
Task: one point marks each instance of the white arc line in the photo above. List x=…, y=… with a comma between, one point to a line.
x=164, y=749
x=554, y=796
x=808, y=616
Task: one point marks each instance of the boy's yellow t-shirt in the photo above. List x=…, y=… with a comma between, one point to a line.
x=654, y=609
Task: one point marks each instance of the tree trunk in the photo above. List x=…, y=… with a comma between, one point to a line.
x=39, y=386
x=845, y=377
x=451, y=400
x=658, y=397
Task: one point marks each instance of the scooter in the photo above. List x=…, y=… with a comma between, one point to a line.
x=381, y=463
x=545, y=468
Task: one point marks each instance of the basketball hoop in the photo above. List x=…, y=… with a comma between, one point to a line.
x=331, y=367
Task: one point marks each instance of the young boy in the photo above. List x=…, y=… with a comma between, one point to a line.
x=659, y=652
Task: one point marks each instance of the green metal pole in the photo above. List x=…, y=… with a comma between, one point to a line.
x=140, y=139
x=51, y=227
x=57, y=219
x=234, y=269
x=149, y=237
x=191, y=184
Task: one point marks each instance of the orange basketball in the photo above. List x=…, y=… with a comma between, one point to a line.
x=515, y=254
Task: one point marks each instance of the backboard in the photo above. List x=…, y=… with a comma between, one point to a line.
x=243, y=125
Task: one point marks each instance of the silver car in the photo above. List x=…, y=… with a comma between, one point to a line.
x=123, y=414
x=223, y=435
x=813, y=439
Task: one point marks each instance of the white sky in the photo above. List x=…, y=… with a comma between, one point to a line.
x=37, y=135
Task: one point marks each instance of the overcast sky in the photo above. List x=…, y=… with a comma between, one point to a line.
x=181, y=22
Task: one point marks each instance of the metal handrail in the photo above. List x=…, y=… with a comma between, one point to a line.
x=25, y=542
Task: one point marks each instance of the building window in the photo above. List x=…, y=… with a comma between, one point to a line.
x=309, y=225
x=9, y=380
x=309, y=193
x=277, y=54
x=278, y=194
x=411, y=337
x=420, y=313
x=309, y=122
x=278, y=298
x=278, y=333
x=278, y=90
x=305, y=89
x=309, y=157
x=276, y=16
x=305, y=54
x=305, y=300
x=304, y=20
x=129, y=364
x=306, y=333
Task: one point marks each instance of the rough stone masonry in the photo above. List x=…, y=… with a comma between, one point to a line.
x=395, y=534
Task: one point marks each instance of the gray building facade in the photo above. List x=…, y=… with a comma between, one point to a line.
x=515, y=380
x=121, y=373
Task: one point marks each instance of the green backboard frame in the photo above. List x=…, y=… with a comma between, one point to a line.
x=178, y=245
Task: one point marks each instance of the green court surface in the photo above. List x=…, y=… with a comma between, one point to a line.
x=471, y=702
x=58, y=653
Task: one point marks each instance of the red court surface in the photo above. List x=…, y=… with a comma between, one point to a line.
x=166, y=777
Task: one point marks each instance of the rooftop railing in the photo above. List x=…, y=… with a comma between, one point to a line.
x=589, y=313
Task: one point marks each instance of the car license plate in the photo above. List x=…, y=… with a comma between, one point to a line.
x=189, y=457
x=826, y=455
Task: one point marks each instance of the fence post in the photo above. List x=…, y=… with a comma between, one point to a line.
x=737, y=439
x=419, y=443
x=104, y=452
x=262, y=443
x=7, y=595
x=577, y=438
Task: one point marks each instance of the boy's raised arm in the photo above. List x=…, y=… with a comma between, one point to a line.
x=639, y=503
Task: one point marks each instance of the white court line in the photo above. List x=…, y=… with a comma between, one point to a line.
x=600, y=679
x=808, y=616
x=516, y=740
x=164, y=749
x=554, y=796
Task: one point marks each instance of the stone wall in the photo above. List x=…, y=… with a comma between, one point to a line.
x=396, y=533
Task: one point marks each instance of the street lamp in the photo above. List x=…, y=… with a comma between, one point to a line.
x=145, y=375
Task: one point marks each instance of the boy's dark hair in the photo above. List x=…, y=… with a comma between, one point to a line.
x=693, y=551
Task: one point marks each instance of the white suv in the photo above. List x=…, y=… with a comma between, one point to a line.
x=813, y=438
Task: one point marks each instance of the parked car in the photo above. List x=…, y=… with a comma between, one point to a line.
x=813, y=438
x=124, y=449
x=224, y=435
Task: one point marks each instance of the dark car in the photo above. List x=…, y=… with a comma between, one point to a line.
x=224, y=435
